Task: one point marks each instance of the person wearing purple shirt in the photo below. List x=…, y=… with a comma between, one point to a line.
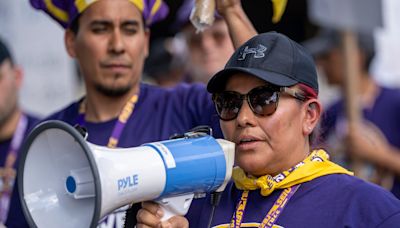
x=15, y=124
x=376, y=137
x=267, y=101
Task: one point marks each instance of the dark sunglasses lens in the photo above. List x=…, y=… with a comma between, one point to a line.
x=263, y=101
x=228, y=105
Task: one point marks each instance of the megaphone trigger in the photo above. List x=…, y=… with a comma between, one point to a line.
x=175, y=205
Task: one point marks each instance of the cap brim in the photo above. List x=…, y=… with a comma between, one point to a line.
x=218, y=81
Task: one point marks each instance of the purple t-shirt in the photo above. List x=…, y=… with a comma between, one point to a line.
x=158, y=114
x=385, y=114
x=335, y=200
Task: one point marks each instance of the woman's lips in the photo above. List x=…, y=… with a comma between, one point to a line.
x=244, y=145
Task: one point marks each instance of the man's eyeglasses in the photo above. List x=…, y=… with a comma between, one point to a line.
x=262, y=100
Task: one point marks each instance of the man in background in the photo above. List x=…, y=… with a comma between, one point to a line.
x=14, y=126
x=376, y=138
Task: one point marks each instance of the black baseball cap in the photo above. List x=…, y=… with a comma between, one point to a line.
x=4, y=52
x=272, y=57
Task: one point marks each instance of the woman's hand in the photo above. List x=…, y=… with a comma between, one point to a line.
x=151, y=214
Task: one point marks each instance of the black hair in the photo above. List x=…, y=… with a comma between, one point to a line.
x=5, y=53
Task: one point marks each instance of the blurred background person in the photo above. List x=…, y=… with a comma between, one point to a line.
x=189, y=55
x=208, y=51
x=376, y=138
x=14, y=126
x=165, y=65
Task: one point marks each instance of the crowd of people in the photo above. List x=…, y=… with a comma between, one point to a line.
x=259, y=91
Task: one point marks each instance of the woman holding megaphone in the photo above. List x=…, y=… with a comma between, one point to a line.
x=267, y=102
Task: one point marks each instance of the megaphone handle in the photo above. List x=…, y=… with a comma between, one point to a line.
x=175, y=205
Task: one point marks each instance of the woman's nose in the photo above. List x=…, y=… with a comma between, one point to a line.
x=245, y=116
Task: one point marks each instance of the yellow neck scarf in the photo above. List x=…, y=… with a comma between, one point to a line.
x=317, y=164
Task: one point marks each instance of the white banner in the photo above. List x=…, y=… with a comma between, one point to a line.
x=37, y=44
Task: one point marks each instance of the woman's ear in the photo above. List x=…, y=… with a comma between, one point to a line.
x=312, y=115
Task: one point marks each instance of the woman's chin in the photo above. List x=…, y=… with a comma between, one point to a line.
x=251, y=168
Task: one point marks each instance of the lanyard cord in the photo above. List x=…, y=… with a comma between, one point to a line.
x=273, y=214
x=119, y=125
x=8, y=173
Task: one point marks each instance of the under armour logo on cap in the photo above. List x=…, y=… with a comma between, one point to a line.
x=259, y=52
x=272, y=57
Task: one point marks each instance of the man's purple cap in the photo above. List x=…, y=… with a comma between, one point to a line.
x=66, y=11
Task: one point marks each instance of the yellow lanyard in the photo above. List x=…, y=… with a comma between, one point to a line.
x=119, y=125
x=273, y=214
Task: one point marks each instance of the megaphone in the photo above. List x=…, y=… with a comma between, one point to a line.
x=65, y=181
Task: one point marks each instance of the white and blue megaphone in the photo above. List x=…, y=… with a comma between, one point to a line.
x=64, y=181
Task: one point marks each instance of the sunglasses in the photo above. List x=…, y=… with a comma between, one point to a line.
x=262, y=100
